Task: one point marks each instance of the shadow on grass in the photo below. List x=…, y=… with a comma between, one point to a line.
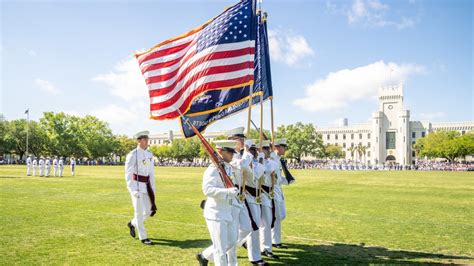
x=339, y=253
x=182, y=244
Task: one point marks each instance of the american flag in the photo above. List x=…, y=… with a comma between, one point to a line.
x=217, y=55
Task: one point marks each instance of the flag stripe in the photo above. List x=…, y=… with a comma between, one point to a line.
x=163, y=81
x=171, y=112
x=195, y=75
x=152, y=54
x=200, y=79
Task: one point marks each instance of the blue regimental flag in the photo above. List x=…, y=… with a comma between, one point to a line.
x=218, y=104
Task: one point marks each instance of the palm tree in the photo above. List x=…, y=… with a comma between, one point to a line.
x=352, y=149
x=361, y=149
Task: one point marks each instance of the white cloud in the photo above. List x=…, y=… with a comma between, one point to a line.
x=125, y=81
x=47, y=86
x=373, y=13
x=346, y=86
x=114, y=114
x=32, y=53
x=288, y=47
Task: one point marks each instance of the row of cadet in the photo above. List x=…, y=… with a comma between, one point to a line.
x=42, y=166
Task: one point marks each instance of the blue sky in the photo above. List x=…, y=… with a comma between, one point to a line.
x=328, y=58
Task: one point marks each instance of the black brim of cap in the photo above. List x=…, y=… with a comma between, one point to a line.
x=142, y=137
x=237, y=136
x=229, y=150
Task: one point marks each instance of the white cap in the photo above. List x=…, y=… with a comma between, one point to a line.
x=225, y=144
x=236, y=133
x=266, y=144
x=250, y=143
x=142, y=134
x=280, y=142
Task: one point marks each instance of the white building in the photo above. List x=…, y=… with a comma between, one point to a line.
x=389, y=135
x=166, y=138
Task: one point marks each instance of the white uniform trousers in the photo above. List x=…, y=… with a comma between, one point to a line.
x=238, y=215
x=142, y=210
x=221, y=234
x=266, y=229
x=42, y=170
x=280, y=214
x=61, y=168
x=48, y=170
x=73, y=170
x=28, y=168
x=253, y=240
x=55, y=170
x=244, y=229
x=34, y=170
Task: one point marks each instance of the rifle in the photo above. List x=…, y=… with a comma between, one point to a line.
x=213, y=155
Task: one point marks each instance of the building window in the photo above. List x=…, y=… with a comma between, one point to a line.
x=360, y=135
x=403, y=139
x=413, y=153
x=368, y=153
x=423, y=134
x=413, y=134
x=329, y=136
x=336, y=136
x=344, y=145
x=352, y=136
x=413, y=142
x=390, y=123
x=352, y=144
x=343, y=136
x=390, y=140
x=368, y=144
x=368, y=135
x=377, y=139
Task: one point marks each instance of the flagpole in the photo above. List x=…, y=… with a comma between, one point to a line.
x=27, y=129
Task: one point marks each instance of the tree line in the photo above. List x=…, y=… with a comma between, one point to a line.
x=67, y=135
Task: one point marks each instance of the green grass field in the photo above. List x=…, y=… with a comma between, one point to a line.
x=334, y=217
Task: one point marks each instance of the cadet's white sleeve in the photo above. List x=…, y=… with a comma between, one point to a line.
x=130, y=165
x=210, y=185
x=258, y=171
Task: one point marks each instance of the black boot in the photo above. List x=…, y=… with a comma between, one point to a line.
x=132, y=229
x=270, y=254
x=201, y=259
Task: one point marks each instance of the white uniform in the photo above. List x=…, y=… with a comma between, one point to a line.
x=61, y=166
x=280, y=208
x=218, y=212
x=253, y=240
x=266, y=225
x=73, y=167
x=41, y=166
x=140, y=162
x=240, y=163
x=47, y=163
x=55, y=166
x=35, y=166
x=28, y=166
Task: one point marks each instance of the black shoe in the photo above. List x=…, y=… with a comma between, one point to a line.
x=244, y=245
x=201, y=259
x=132, y=229
x=260, y=263
x=280, y=246
x=146, y=241
x=270, y=255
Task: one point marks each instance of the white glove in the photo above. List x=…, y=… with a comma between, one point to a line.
x=231, y=192
x=136, y=194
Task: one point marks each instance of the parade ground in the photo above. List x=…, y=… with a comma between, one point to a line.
x=334, y=217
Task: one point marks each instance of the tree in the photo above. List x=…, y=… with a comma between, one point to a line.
x=162, y=152
x=123, y=145
x=361, y=149
x=191, y=149
x=445, y=144
x=255, y=134
x=6, y=143
x=302, y=140
x=352, y=149
x=15, y=137
x=333, y=151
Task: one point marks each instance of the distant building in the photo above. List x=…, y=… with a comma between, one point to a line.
x=390, y=134
x=167, y=138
